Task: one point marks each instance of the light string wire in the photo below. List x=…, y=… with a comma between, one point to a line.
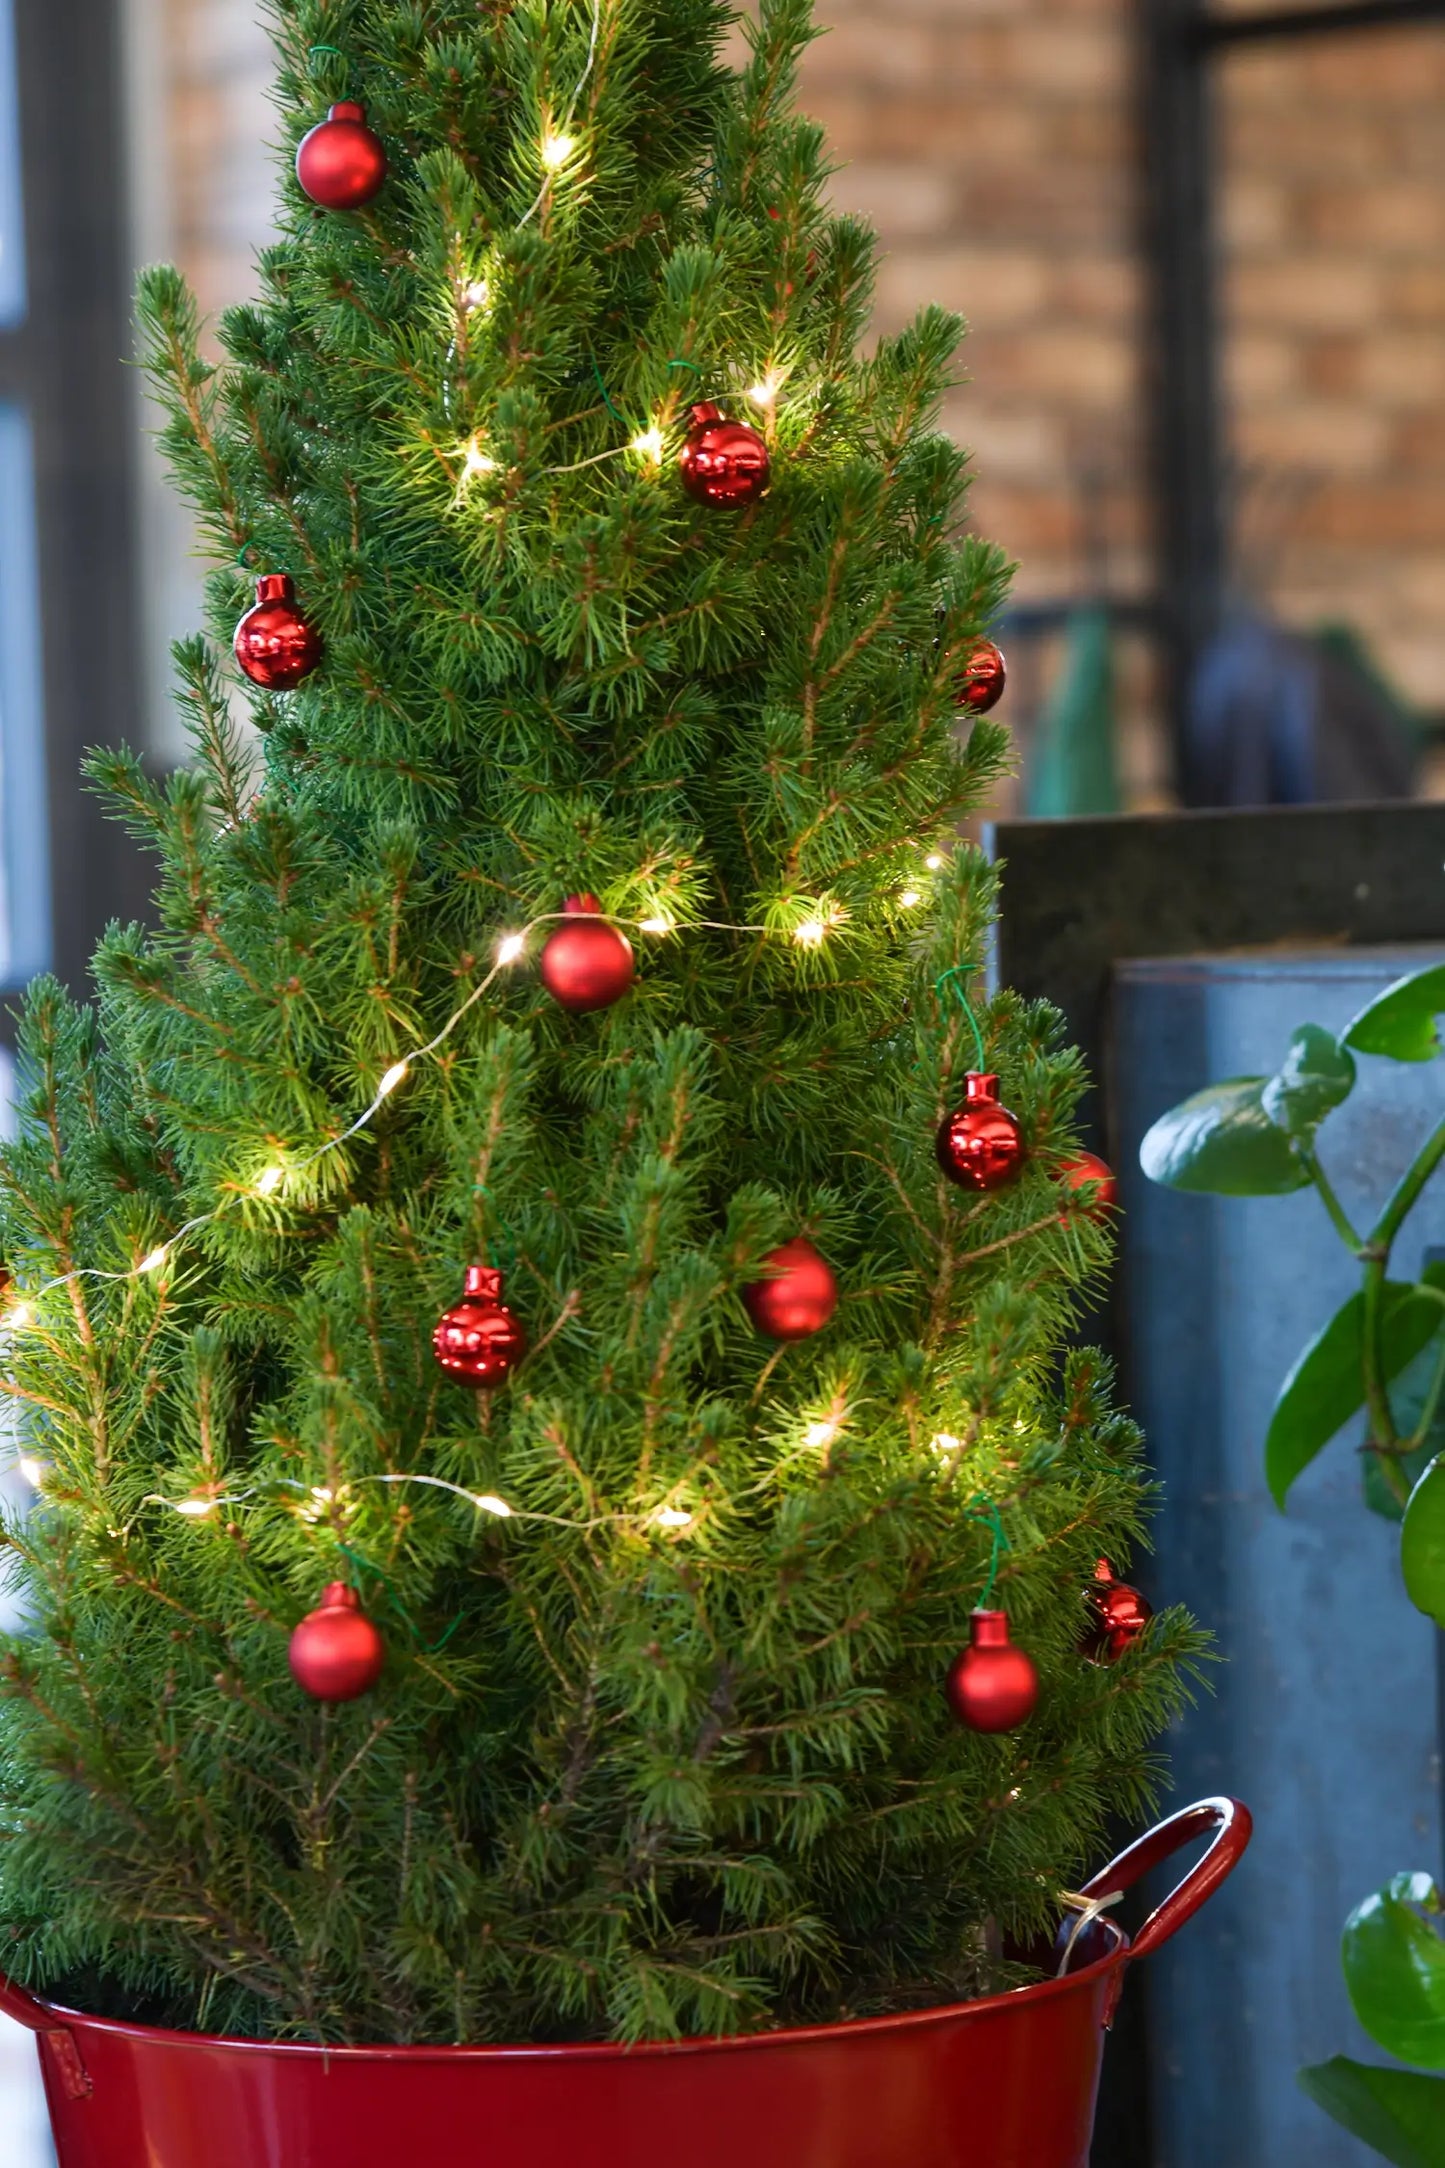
x=582, y=83
x=510, y=951
x=200, y=1506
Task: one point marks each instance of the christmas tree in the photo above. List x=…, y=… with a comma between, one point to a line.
x=568, y=1658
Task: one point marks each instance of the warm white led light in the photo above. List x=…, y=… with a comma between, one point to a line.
x=649, y=443
x=18, y=1318
x=810, y=933
x=478, y=461
x=498, y=1507
x=909, y=897
x=269, y=1182
x=766, y=390
x=933, y=861
x=820, y=1434
x=154, y=1259
x=556, y=150
x=33, y=1470
x=945, y=1442
x=671, y=1517
x=476, y=295
x=655, y=925
x=322, y=1494
x=195, y=1509
x=510, y=947
x=392, y=1078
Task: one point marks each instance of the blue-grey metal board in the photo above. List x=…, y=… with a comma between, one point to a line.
x=1323, y=1716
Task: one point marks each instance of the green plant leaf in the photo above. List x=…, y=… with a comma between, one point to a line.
x=1327, y=1384
x=1422, y=1543
x=1316, y=1075
x=1401, y=2113
x=1221, y=1140
x=1400, y=1022
x=1395, y=1970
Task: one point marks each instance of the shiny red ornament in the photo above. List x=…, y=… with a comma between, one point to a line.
x=336, y=1653
x=992, y=1686
x=275, y=645
x=980, y=683
x=980, y=1146
x=723, y=462
x=340, y=163
x=1117, y=1616
x=1086, y=1167
x=479, y=1341
x=801, y=1297
x=588, y=964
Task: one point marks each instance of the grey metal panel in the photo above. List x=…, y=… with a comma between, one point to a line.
x=12, y=208
x=1324, y=1716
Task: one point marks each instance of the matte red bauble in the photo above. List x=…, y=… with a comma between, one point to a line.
x=275, y=645
x=479, y=1341
x=336, y=1652
x=801, y=1297
x=980, y=683
x=723, y=462
x=587, y=965
x=1117, y=1614
x=1086, y=1167
x=992, y=1686
x=341, y=163
x=980, y=1146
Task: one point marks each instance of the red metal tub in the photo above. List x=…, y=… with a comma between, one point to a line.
x=1007, y=2082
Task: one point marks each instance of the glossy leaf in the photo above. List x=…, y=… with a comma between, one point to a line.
x=1316, y=1075
x=1400, y=1022
x=1327, y=1385
x=1222, y=1141
x=1401, y=2113
x=1395, y=1970
x=1422, y=1543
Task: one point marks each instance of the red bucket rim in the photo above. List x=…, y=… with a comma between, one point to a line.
x=603, y=2050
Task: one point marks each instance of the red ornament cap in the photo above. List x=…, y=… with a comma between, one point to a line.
x=479, y=1341
x=587, y=964
x=992, y=1685
x=336, y=1653
x=723, y=462
x=275, y=644
x=1086, y=1167
x=980, y=683
x=799, y=1299
x=341, y=163
x=980, y=1146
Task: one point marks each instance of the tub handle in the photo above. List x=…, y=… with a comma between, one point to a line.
x=60, y=2040
x=1232, y=1824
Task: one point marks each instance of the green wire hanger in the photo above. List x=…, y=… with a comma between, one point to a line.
x=954, y=981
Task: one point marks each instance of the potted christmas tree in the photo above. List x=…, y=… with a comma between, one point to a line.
x=534, y=1321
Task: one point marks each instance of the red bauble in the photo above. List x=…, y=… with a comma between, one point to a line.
x=587, y=965
x=275, y=645
x=980, y=1146
x=800, y=1299
x=992, y=1686
x=479, y=1341
x=723, y=462
x=341, y=163
x=1118, y=1615
x=1086, y=1167
x=336, y=1652
x=980, y=683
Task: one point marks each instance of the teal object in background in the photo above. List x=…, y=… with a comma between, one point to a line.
x=1072, y=766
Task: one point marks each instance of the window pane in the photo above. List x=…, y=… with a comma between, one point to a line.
x=12, y=217
x=24, y=844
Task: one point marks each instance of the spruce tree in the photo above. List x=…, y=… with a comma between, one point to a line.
x=660, y=1744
